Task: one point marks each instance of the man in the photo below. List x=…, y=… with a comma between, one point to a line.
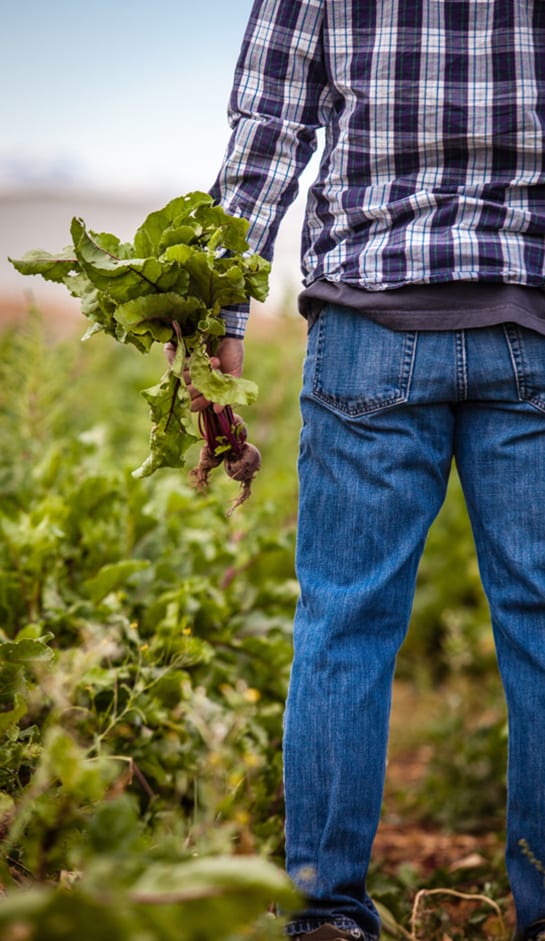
x=423, y=257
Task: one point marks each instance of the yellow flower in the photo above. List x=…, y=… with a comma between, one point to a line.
x=252, y=761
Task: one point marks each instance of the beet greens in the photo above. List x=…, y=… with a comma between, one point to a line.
x=187, y=261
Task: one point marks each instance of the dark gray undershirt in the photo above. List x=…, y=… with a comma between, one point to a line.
x=455, y=305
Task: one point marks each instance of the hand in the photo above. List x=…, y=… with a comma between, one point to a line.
x=229, y=358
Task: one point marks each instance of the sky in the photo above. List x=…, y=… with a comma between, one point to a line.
x=120, y=98
x=116, y=94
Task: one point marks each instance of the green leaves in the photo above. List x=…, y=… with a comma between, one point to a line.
x=188, y=261
x=26, y=650
x=150, y=318
x=220, y=895
x=121, y=279
x=15, y=657
x=195, y=900
x=171, y=431
x=218, y=386
x=112, y=577
x=156, y=232
x=140, y=744
x=51, y=267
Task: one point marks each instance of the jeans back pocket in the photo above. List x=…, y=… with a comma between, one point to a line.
x=527, y=350
x=359, y=366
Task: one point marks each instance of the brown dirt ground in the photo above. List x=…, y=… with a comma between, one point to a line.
x=401, y=841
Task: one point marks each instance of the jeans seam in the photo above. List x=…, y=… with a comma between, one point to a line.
x=409, y=356
x=461, y=366
x=517, y=360
x=304, y=926
x=516, y=353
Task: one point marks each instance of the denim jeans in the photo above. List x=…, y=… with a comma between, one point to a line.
x=384, y=414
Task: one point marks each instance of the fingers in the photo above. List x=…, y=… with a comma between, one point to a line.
x=169, y=350
x=198, y=401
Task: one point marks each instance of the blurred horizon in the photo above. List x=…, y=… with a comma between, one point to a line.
x=108, y=113
x=39, y=217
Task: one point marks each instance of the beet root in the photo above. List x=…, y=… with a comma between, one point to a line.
x=225, y=440
x=243, y=467
x=207, y=462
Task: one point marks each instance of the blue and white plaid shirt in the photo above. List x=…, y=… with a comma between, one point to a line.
x=434, y=115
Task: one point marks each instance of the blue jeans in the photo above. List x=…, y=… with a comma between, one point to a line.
x=384, y=414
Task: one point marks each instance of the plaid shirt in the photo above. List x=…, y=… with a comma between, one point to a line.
x=434, y=115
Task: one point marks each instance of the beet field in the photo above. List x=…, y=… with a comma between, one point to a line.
x=145, y=645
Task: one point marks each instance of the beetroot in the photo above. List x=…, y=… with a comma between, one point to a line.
x=207, y=462
x=225, y=436
x=243, y=467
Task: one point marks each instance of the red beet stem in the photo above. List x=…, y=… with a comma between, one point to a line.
x=221, y=428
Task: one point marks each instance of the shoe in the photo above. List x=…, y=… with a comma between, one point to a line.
x=329, y=933
x=536, y=932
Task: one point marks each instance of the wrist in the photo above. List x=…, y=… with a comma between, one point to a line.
x=235, y=319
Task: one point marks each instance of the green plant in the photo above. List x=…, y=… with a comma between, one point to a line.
x=464, y=787
x=188, y=260
x=144, y=652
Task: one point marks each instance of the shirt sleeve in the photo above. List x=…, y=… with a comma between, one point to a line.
x=280, y=98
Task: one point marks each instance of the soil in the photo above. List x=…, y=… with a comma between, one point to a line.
x=453, y=861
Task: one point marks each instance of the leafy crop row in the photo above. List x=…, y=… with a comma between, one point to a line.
x=143, y=667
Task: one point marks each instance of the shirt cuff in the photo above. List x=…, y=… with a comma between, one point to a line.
x=235, y=319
